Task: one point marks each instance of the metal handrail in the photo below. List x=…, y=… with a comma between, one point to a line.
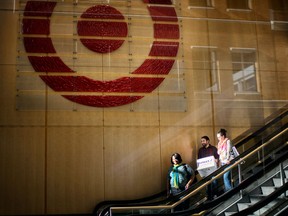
x=201, y=186
x=104, y=206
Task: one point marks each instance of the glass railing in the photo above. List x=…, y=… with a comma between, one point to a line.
x=256, y=158
x=246, y=143
x=262, y=195
x=269, y=205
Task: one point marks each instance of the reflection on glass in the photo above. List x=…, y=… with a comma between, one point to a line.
x=200, y=3
x=205, y=68
x=244, y=71
x=241, y=5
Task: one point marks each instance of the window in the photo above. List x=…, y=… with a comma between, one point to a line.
x=279, y=15
x=200, y=3
x=205, y=67
x=239, y=5
x=278, y=5
x=244, y=70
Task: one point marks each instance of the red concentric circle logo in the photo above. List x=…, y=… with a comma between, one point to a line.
x=101, y=29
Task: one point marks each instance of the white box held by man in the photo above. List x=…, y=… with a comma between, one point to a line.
x=206, y=166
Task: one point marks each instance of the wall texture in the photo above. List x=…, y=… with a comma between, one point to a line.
x=60, y=157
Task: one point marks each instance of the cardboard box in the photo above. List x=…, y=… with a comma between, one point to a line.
x=206, y=166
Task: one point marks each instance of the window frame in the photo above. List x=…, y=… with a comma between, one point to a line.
x=209, y=3
x=278, y=15
x=278, y=5
x=213, y=64
x=242, y=51
x=247, y=9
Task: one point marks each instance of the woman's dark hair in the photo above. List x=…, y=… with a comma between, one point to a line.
x=222, y=132
x=177, y=156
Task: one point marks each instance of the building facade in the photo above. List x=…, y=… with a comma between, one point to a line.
x=97, y=95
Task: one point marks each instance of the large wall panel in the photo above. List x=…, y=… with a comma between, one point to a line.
x=22, y=170
x=75, y=169
x=63, y=157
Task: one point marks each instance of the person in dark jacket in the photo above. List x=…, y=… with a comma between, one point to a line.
x=207, y=150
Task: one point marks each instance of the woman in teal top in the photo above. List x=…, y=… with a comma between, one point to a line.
x=180, y=176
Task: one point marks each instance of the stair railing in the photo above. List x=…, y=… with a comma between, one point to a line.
x=170, y=207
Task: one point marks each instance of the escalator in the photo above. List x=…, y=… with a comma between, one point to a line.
x=258, y=149
x=263, y=192
x=261, y=168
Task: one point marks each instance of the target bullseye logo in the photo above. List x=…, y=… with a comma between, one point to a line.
x=101, y=29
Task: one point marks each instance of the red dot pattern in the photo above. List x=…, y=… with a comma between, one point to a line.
x=160, y=13
x=102, y=45
x=102, y=12
x=38, y=45
x=84, y=84
x=161, y=48
x=36, y=26
x=103, y=101
x=39, y=8
x=48, y=64
x=165, y=2
x=102, y=29
x=155, y=66
x=166, y=31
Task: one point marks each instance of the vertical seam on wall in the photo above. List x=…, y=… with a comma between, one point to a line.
x=160, y=142
x=257, y=70
x=218, y=78
x=103, y=147
x=45, y=149
x=103, y=140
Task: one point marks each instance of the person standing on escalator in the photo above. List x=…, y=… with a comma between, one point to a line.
x=207, y=150
x=225, y=156
x=180, y=177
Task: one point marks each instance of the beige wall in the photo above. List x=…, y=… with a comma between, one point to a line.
x=67, y=159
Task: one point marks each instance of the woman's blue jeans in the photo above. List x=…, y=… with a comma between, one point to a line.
x=227, y=181
x=211, y=189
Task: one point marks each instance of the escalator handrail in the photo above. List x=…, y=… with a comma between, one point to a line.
x=163, y=193
x=248, y=151
x=109, y=202
x=198, y=185
x=202, y=185
x=263, y=202
x=237, y=160
x=211, y=204
x=241, y=142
